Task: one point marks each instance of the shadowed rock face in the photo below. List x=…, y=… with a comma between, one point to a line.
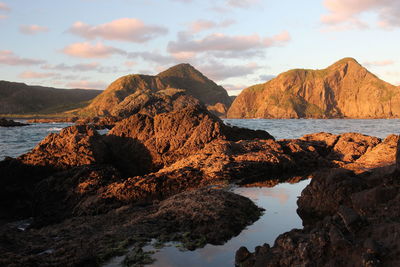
x=176, y=134
x=344, y=89
x=133, y=91
x=90, y=240
x=10, y=123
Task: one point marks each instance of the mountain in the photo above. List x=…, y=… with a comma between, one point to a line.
x=182, y=76
x=19, y=98
x=343, y=90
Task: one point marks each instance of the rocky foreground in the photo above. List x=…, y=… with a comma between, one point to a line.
x=160, y=173
x=349, y=218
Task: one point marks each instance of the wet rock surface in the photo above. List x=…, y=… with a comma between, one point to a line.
x=90, y=240
x=10, y=123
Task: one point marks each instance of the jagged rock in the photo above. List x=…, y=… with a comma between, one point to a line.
x=344, y=89
x=351, y=146
x=10, y=123
x=171, y=136
x=72, y=146
x=218, y=109
x=350, y=220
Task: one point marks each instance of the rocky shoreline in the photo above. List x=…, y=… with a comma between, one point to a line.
x=10, y=123
x=160, y=172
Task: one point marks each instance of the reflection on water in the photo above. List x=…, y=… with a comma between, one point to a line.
x=280, y=216
x=296, y=128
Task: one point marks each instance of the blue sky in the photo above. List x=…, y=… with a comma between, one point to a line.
x=90, y=43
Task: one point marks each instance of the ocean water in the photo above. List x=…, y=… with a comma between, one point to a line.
x=15, y=141
x=280, y=201
x=295, y=128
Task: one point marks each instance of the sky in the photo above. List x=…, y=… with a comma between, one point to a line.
x=237, y=43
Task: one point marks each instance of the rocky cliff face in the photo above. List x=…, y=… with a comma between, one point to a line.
x=21, y=98
x=115, y=99
x=343, y=90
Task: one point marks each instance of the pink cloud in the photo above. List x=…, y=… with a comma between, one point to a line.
x=32, y=29
x=36, y=75
x=3, y=16
x=87, y=84
x=125, y=29
x=221, y=42
x=129, y=64
x=7, y=57
x=278, y=40
x=348, y=12
x=4, y=7
x=202, y=25
x=87, y=50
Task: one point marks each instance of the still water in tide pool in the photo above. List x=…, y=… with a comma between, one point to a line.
x=15, y=141
x=280, y=216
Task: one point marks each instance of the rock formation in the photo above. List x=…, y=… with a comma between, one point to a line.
x=343, y=90
x=117, y=98
x=159, y=172
x=10, y=123
x=19, y=98
x=349, y=218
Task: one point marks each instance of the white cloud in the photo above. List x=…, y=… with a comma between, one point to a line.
x=87, y=50
x=218, y=71
x=125, y=29
x=242, y=3
x=7, y=57
x=155, y=57
x=32, y=29
x=265, y=78
x=225, y=43
x=380, y=63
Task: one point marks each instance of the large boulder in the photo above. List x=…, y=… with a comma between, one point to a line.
x=171, y=136
x=72, y=146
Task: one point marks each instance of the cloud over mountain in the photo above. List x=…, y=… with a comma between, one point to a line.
x=124, y=29
x=87, y=50
x=8, y=57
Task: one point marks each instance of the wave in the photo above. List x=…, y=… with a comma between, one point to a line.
x=54, y=129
